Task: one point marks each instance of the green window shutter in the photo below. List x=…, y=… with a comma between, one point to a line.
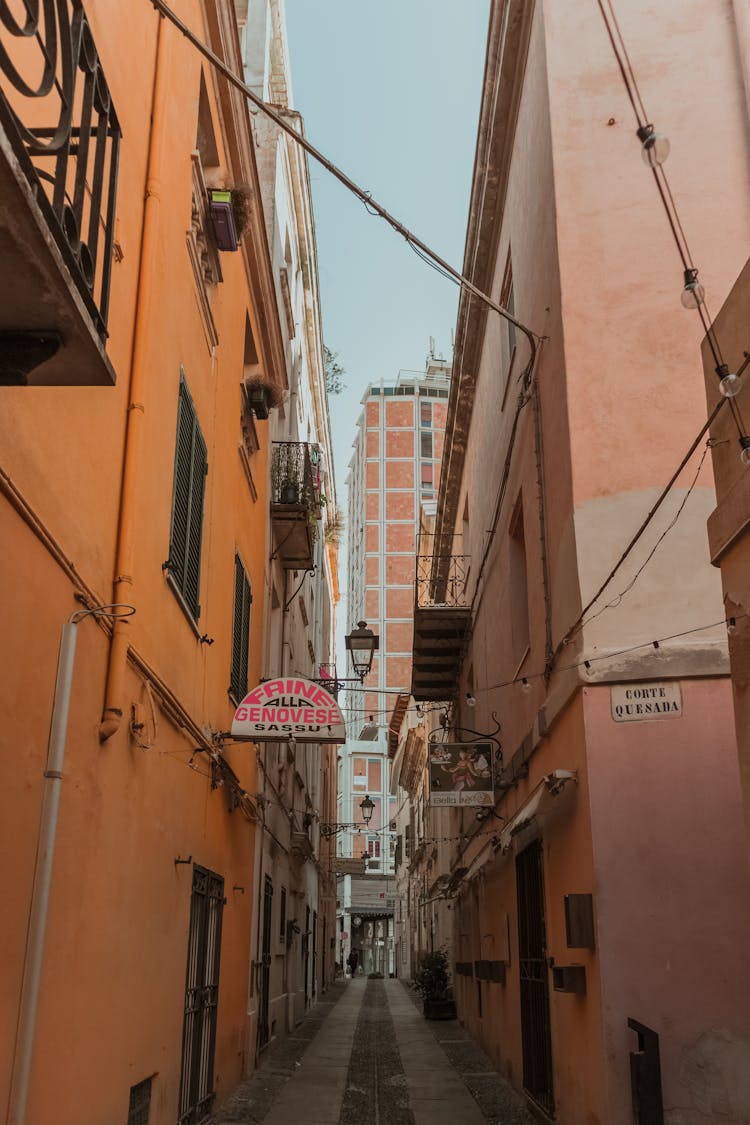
x=190, y=468
x=240, y=631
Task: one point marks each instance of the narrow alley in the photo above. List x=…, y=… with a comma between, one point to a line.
x=366, y=1056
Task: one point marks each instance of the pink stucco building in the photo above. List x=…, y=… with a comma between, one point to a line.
x=598, y=914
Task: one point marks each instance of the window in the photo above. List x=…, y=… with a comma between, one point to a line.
x=425, y=414
x=359, y=773
x=425, y=445
x=190, y=469
x=373, y=848
x=427, y=474
x=519, y=595
x=139, y=1106
x=374, y=775
x=282, y=916
x=243, y=599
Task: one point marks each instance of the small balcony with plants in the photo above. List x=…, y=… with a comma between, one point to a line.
x=297, y=502
x=59, y=149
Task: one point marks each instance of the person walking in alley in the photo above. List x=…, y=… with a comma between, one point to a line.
x=352, y=961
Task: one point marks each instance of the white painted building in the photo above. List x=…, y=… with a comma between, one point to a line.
x=293, y=950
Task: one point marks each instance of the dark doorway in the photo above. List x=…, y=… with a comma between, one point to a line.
x=201, y=997
x=306, y=955
x=265, y=964
x=315, y=954
x=536, y=1038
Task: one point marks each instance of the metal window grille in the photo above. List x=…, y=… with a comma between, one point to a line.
x=243, y=599
x=536, y=1036
x=139, y=1106
x=190, y=469
x=201, y=997
x=282, y=915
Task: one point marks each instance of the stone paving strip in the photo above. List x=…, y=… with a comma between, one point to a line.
x=376, y=1086
x=365, y=1055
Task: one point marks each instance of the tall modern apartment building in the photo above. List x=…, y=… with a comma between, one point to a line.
x=395, y=468
x=394, y=471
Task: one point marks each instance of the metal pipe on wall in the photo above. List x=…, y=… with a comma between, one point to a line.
x=145, y=307
x=40, y=894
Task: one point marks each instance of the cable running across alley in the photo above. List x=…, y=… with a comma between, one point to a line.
x=365, y=197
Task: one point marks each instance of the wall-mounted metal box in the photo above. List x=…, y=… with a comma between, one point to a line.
x=569, y=978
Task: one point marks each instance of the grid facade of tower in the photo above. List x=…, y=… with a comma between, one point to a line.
x=395, y=467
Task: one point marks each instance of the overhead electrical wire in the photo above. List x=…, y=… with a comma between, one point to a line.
x=363, y=195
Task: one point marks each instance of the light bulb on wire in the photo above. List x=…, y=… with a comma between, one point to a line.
x=693, y=294
x=731, y=626
x=730, y=382
x=654, y=146
x=525, y=685
x=470, y=700
x=745, y=450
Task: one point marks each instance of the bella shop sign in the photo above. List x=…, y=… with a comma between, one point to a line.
x=289, y=708
x=632, y=703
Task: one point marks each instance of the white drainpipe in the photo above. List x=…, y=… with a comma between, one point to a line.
x=45, y=857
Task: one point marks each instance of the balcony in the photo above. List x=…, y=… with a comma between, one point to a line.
x=296, y=502
x=59, y=145
x=442, y=619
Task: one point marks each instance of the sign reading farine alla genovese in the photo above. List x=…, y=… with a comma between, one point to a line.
x=289, y=708
x=633, y=702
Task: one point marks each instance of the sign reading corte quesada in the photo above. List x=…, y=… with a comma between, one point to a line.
x=634, y=702
x=289, y=708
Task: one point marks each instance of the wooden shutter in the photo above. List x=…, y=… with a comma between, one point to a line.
x=190, y=468
x=240, y=631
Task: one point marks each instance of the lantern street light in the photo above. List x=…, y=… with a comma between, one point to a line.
x=362, y=644
x=368, y=808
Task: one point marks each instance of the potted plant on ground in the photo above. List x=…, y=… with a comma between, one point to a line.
x=431, y=981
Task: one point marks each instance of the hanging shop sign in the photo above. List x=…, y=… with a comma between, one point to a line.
x=342, y=865
x=289, y=708
x=461, y=773
x=632, y=703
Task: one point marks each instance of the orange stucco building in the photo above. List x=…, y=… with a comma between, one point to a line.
x=134, y=469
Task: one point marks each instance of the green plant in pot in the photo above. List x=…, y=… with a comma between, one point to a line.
x=289, y=491
x=432, y=982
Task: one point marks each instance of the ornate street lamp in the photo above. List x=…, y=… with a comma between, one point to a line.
x=362, y=644
x=368, y=808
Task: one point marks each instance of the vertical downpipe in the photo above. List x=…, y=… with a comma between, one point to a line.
x=145, y=306
x=539, y=458
x=40, y=894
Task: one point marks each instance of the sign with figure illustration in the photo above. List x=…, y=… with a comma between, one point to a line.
x=461, y=773
x=286, y=708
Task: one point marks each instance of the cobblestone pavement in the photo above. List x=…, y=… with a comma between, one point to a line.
x=364, y=1055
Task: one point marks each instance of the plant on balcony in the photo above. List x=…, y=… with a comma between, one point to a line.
x=432, y=982
x=334, y=528
x=229, y=211
x=262, y=396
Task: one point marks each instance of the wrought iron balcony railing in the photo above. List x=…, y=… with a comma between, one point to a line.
x=442, y=581
x=57, y=113
x=295, y=479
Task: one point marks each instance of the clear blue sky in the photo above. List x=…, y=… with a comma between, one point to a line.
x=390, y=92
